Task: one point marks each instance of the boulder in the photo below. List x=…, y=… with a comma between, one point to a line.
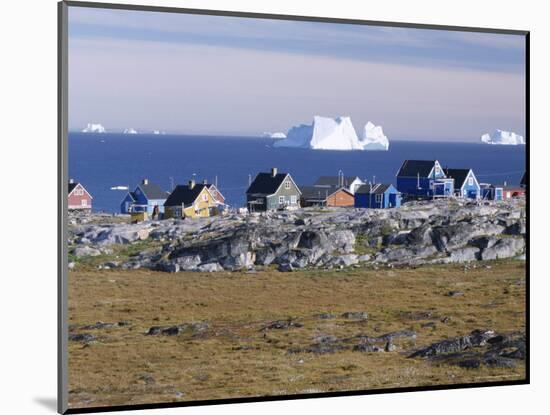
x=504, y=248
x=84, y=251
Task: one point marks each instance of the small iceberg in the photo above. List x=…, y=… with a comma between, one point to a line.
x=94, y=128
x=129, y=131
x=373, y=138
x=274, y=135
x=119, y=188
x=501, y=137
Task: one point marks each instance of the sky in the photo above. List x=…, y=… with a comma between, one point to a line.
x=215, y=75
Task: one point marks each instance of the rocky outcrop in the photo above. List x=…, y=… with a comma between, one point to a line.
x=480, y=347
x=417, y=233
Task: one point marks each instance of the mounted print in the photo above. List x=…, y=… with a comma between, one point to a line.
x=258, y=207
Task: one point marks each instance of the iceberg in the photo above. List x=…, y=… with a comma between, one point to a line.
x=373, y=138
x=129, y=131
x=503, y=138
x=327, y=133
x=94, y=128
x=158, y=132
x=267, y=134
x=323, y=134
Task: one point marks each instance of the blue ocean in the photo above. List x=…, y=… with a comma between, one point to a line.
x=102, y=161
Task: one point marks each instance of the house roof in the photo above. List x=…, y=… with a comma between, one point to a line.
x=72, y=186
x=182, y=194
x=152, y=191
x=377, y=189
x=413, y=168
x=334, y=181
x=459, y=175
x=212, y=187
x=266, y=183
x=319, y=193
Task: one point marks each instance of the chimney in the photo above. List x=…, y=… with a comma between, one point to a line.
x=191, y=184
x=273, y=171
x=205, y=181
x=145, y=182
x=71, y=181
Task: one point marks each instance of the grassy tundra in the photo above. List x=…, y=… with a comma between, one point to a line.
x=237, y=356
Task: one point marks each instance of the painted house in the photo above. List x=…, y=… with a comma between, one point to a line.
x=319, y=196
x=190, y=201
x=272, y=191
x=465, y=182
x=513, y=192
x=78, y=197
x=377, y=196
x=218, y=196
x=350, y=183
x=423, y=179
x=144, y=198
x=491, y=192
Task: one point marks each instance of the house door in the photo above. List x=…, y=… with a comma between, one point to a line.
x=393, y=200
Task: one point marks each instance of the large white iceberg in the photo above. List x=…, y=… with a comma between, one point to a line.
x=129, y=131
x=334, y=134
x=94, y=128
x=503, y=138
x=373, y=138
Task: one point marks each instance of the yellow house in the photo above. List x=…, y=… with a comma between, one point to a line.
x=190, y=201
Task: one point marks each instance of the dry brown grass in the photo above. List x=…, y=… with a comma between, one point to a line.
x=127, y=367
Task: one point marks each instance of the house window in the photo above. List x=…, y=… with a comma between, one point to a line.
x=293, y=199
x=281, y=200
x=78, y=192
x=205, y=197
x=378, y=198
x=470, y=181
x=84, y=202
x=287, y=184
x=260, y=201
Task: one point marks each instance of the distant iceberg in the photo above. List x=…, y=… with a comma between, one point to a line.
x=129, y=131
x=503, y=138
x=157, y=132
x=327, y=133
x=274, y=135
x=373, y=138
x=94, y=128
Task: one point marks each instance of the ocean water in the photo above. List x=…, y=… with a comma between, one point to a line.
x=100, y=161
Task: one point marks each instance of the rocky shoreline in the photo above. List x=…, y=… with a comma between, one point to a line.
x=442, y=231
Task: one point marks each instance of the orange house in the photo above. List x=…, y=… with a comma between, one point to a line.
x=318, y=196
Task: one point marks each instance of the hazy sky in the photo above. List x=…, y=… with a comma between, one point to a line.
x=238, y=76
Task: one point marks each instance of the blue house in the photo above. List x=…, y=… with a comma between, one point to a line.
x=490, y=192
x=424, y=179
x=377, y=196
x=144, y=199
x=466, y=184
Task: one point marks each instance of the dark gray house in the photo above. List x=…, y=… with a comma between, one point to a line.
x=272, y=191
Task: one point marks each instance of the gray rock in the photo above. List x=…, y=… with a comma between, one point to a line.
x=504, y=248
x=286, y=267
x=358, y=315
x=83, y=251
x=210, y=267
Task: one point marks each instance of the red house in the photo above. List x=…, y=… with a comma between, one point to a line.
x=79, y=198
